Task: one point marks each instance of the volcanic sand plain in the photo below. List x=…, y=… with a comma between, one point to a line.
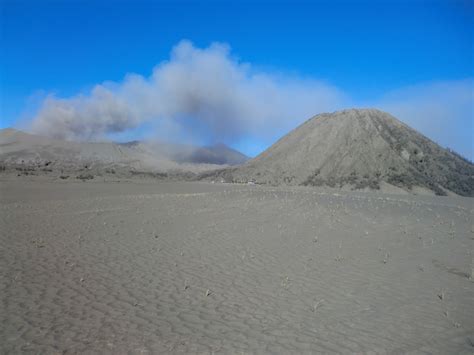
x=169, y=267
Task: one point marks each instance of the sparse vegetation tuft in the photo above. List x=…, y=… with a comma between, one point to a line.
x=85, y=177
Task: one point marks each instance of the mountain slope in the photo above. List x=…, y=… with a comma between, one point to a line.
x=358, y=148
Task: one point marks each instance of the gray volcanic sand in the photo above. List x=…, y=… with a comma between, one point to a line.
x=201, y=268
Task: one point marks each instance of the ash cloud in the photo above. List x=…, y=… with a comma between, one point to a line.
x=210, y=92
x=84, y=117
x=205, y=88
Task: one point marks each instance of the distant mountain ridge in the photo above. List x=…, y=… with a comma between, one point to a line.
x=219, y=154
x=357, y=148
x=17, y=147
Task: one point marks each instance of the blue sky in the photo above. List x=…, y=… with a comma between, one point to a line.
x=398, y=55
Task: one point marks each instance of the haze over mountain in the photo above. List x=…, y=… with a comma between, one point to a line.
x=350, y=149
x=358, y=148
x=219, y=153
x=20, y=148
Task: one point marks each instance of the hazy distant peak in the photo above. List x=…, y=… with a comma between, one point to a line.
x=20, y=147
x=6, y=132
x=130, y=143
x=219, y=145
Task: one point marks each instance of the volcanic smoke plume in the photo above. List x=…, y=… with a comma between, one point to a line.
x=206, y=88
